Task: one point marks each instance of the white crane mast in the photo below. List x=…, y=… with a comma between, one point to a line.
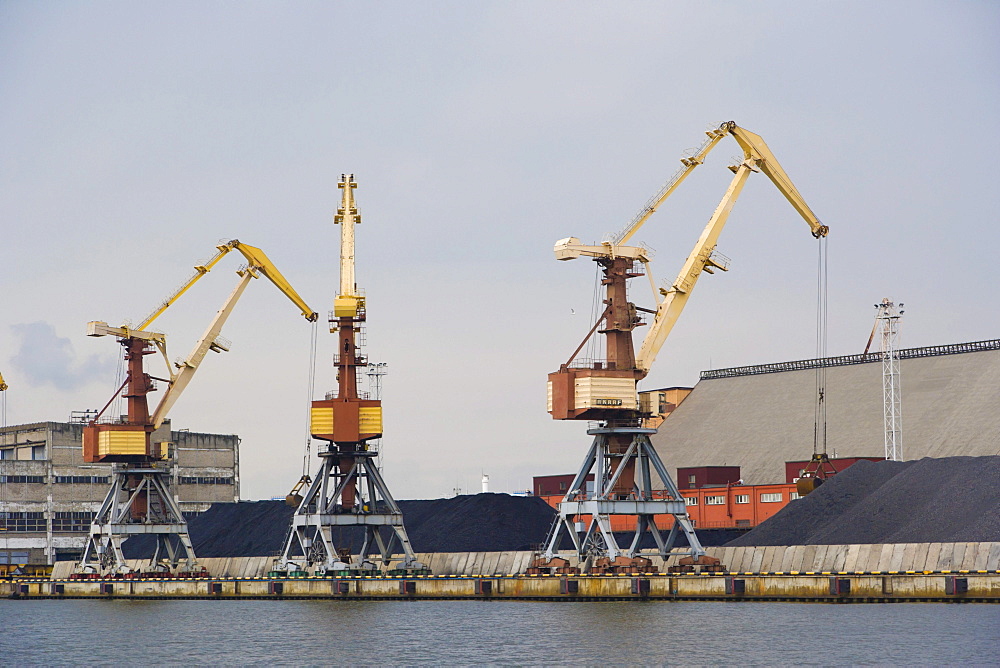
x=347, y=217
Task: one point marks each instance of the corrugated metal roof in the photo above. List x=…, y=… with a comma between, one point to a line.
x=950, y=403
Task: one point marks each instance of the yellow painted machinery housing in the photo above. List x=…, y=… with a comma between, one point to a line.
x=346, y=420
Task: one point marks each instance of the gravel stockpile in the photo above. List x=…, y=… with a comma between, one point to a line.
x=943, y=500
x=471, y=523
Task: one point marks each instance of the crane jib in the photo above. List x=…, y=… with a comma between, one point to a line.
x=757, y=156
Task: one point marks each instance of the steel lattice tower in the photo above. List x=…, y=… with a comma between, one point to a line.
x=887, y=317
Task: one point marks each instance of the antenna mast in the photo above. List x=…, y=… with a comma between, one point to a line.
x=887, y=317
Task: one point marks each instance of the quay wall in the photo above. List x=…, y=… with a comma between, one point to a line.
x=873, y=558
x=850, y=588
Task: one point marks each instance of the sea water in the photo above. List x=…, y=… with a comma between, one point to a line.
x=248, y=632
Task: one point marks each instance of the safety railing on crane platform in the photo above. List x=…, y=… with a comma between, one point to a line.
x=359, y=360
x=590, y=363
x=332, y=394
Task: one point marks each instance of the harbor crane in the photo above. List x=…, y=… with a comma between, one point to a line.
x=140, y=500
x=621, y=456
x=348, y=491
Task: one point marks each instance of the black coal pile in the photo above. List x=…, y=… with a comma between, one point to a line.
x=244, y=529
x=479, y=523
x=471, y=523
x=943, y=500
x=247, y=528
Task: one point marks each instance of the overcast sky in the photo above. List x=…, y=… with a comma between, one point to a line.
x=135, y=135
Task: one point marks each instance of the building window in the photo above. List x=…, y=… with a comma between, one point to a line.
x=742, y=498
x=23, y=522
x=38, y=452
x=195, y=480
x=82, y=479
x=72, y=521
x=771, y=498
x=690, y=500
x=692, y=480
x=715, y=500
x=562, y=487
x=13, y=558
x=793, y=496
x=22, y=478
x=7, y=453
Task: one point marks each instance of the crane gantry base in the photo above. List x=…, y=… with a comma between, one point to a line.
x=611, y=465
x=311, y=542
x=139, y=502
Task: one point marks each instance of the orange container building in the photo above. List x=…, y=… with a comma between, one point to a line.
x=728, y=507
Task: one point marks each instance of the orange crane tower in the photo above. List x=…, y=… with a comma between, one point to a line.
x=621, y=457
x=348, y=491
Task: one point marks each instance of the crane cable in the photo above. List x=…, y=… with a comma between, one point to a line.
x=120, y=375
x=819, y=425
x=310, y=390
x=594, y=351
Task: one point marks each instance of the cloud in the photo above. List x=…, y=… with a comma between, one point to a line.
x=44, y=358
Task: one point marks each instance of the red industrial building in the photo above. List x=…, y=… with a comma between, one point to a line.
x=694, y=477
x=714, y=495
x=794, y=470
x=556, y=485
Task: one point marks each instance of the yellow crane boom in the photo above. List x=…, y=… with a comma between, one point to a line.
x=623, y=368
x=257, y=264
x=255, y=258
x=209, y=341
x=756, y=157
x=756, y=152
x=688, y=164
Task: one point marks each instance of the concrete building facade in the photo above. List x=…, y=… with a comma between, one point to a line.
x=48, y=495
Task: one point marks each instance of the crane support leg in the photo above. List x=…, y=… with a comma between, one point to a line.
x=622, y=460
x=348, y=492
x=139, y=502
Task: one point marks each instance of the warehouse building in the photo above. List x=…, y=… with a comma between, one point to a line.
x=761, y=417
x=48, y=495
